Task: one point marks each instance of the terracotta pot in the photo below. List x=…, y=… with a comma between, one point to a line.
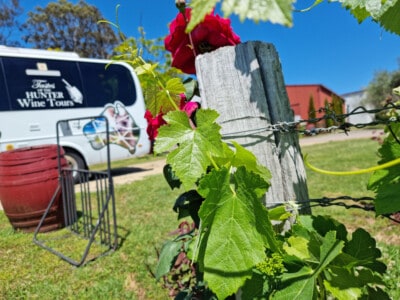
x=28, y=180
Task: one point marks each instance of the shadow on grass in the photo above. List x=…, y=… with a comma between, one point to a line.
x=127, y=170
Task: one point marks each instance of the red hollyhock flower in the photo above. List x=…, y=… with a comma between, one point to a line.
x=212, y=33
x=153, y=123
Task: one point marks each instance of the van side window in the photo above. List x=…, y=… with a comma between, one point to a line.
x=4, y=104
x=36, y=83
x=105, y=84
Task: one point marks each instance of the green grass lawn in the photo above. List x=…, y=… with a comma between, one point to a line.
x=145, y=218
x=342, y=156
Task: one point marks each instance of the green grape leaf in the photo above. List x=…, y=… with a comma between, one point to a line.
x=387, y=199
x=235, y=228
x=159, y=103
x=167, y=257
x=302, y=284
x=274, y=11
x=175, y=86
x=246, y=158
x=166, y=99
x=145, y=68
x=386, y=183
x=225, y=160
x=330, y=248
x=363, y=247
x=192, y=147
x=343, y=292
x=375, y=8
x=304, y=288
x=255, y=288
x=240, y=156
x=317, y=227
x=320, y=246
x=324, y=224
x=313, y=243
x=200, y=9
x=303, y=272
x=188, y=204
x=360, y=13
x=297, y=246
x=386, y=13
x=377, y=293
x=278, y=213
x=171, y=178
x=346, y=284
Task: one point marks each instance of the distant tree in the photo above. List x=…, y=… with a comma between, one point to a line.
x=328, y=122
x=9, y=11
x=380, y=88
x=63, y=25
x=312, y=113
x=337, y=108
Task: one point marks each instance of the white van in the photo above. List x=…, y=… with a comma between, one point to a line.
x=40, y=87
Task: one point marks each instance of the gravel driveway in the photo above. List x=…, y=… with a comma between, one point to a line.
x=340, y=136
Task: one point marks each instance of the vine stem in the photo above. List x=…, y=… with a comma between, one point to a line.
x=160, y=84
x=214, y=164
x=356, y=172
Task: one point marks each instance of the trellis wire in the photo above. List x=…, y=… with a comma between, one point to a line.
x=326, y=201
x=341, y=124
x=295, y=126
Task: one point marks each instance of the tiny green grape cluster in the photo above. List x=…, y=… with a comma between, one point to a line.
x=271, y=265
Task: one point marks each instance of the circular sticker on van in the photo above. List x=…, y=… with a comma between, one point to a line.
x=123, y=130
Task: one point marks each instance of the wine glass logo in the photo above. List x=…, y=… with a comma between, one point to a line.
x=74, y=93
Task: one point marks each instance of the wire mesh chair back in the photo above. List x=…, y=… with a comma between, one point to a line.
x=88, y=204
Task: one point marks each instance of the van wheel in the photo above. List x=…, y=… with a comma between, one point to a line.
x=75, y=162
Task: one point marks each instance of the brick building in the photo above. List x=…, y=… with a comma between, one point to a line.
x=299, y=98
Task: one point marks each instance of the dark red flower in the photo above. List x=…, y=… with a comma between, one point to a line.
x=212, y=33
x=153, y=123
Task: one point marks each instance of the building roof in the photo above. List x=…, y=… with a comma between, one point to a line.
x=360, y=92
x=327, y=90
x=319, y=85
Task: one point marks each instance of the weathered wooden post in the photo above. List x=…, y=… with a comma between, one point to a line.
x=244, y=83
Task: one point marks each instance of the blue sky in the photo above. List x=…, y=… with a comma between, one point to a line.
x=325, y=46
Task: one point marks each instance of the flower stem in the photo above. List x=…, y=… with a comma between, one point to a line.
x=190, y=35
